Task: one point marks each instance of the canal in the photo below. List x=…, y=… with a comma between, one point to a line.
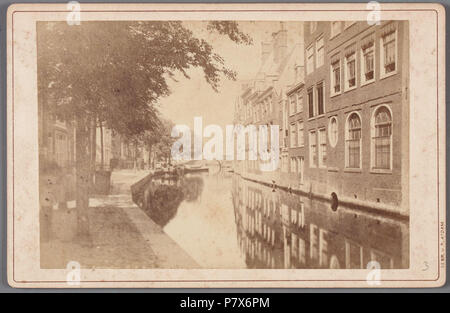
x=224, y=221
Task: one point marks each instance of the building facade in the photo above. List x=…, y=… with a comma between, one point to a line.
x=358, y=109
x=263, y=100
x=344, y=121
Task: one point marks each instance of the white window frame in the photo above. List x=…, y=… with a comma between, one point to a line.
x=292, y=165
x=321, y=61
x=292, y=130
x=383, y=74
x=310, y=141
x=332, y=91
x=286, y=114
x=300, y=102
x=292, y=106
x=364, y=81
x=301, y=168
x=372, y=141
x=346, y=144
x=314, y=112
x=346, y=85
x=321, y=132
x=316, y=102
x=300, y=130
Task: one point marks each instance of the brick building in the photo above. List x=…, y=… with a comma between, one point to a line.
x=356, y=90
x=343, y=116
x=263, y=100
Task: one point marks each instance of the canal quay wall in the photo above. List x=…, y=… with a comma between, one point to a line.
x=284, y=182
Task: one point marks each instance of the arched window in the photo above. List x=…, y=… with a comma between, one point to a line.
x=353, y=141
x=382, y=138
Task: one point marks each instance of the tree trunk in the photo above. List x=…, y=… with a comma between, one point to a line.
x=149, y=156
x=135, y=156
x=101, y=147
x=93, y=151
x=83, y=176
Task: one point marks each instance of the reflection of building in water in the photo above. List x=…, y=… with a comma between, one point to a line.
x=258, y=225
x=277, y=229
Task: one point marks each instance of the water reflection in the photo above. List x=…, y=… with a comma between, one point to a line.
x=224, y=221
x=162, y=197
x=277, y=229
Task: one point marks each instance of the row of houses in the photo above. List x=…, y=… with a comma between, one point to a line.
x=57, y=140
x=339, y=92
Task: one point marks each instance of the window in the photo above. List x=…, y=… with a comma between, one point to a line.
x=335, y=28
x=312, y=27
x=293, y=138
x=294, y=246
x=61, y=149
x=299, y=102
x=293, y=165
x=285, y=117
x=368, y=62
x=312, y=149
x=388, y=51
x=322, y=147
x=320, y=99
x=333, y=131
x=300, y=136
x=353, y=141
x=311, y=102
x=301, y=167
x=310, y=60
x=350, y=79
x=382, y=138
x=284, y=163
x=302, y=251
x=336, y=77
x=319, y=52
x=292, y=104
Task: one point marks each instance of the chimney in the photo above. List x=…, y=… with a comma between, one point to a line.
x=265, y=51
x=279, y=41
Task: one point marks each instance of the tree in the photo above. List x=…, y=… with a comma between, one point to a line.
x=113, y=73
x=158, y=140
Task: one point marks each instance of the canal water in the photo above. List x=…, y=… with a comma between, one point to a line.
x=224, y=221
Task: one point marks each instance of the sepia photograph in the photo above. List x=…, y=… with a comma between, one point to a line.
x=218, y=144
x=337, y=91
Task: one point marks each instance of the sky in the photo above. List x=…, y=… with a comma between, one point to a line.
x=195, y=97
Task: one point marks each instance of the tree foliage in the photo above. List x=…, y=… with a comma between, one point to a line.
x=115, y=71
